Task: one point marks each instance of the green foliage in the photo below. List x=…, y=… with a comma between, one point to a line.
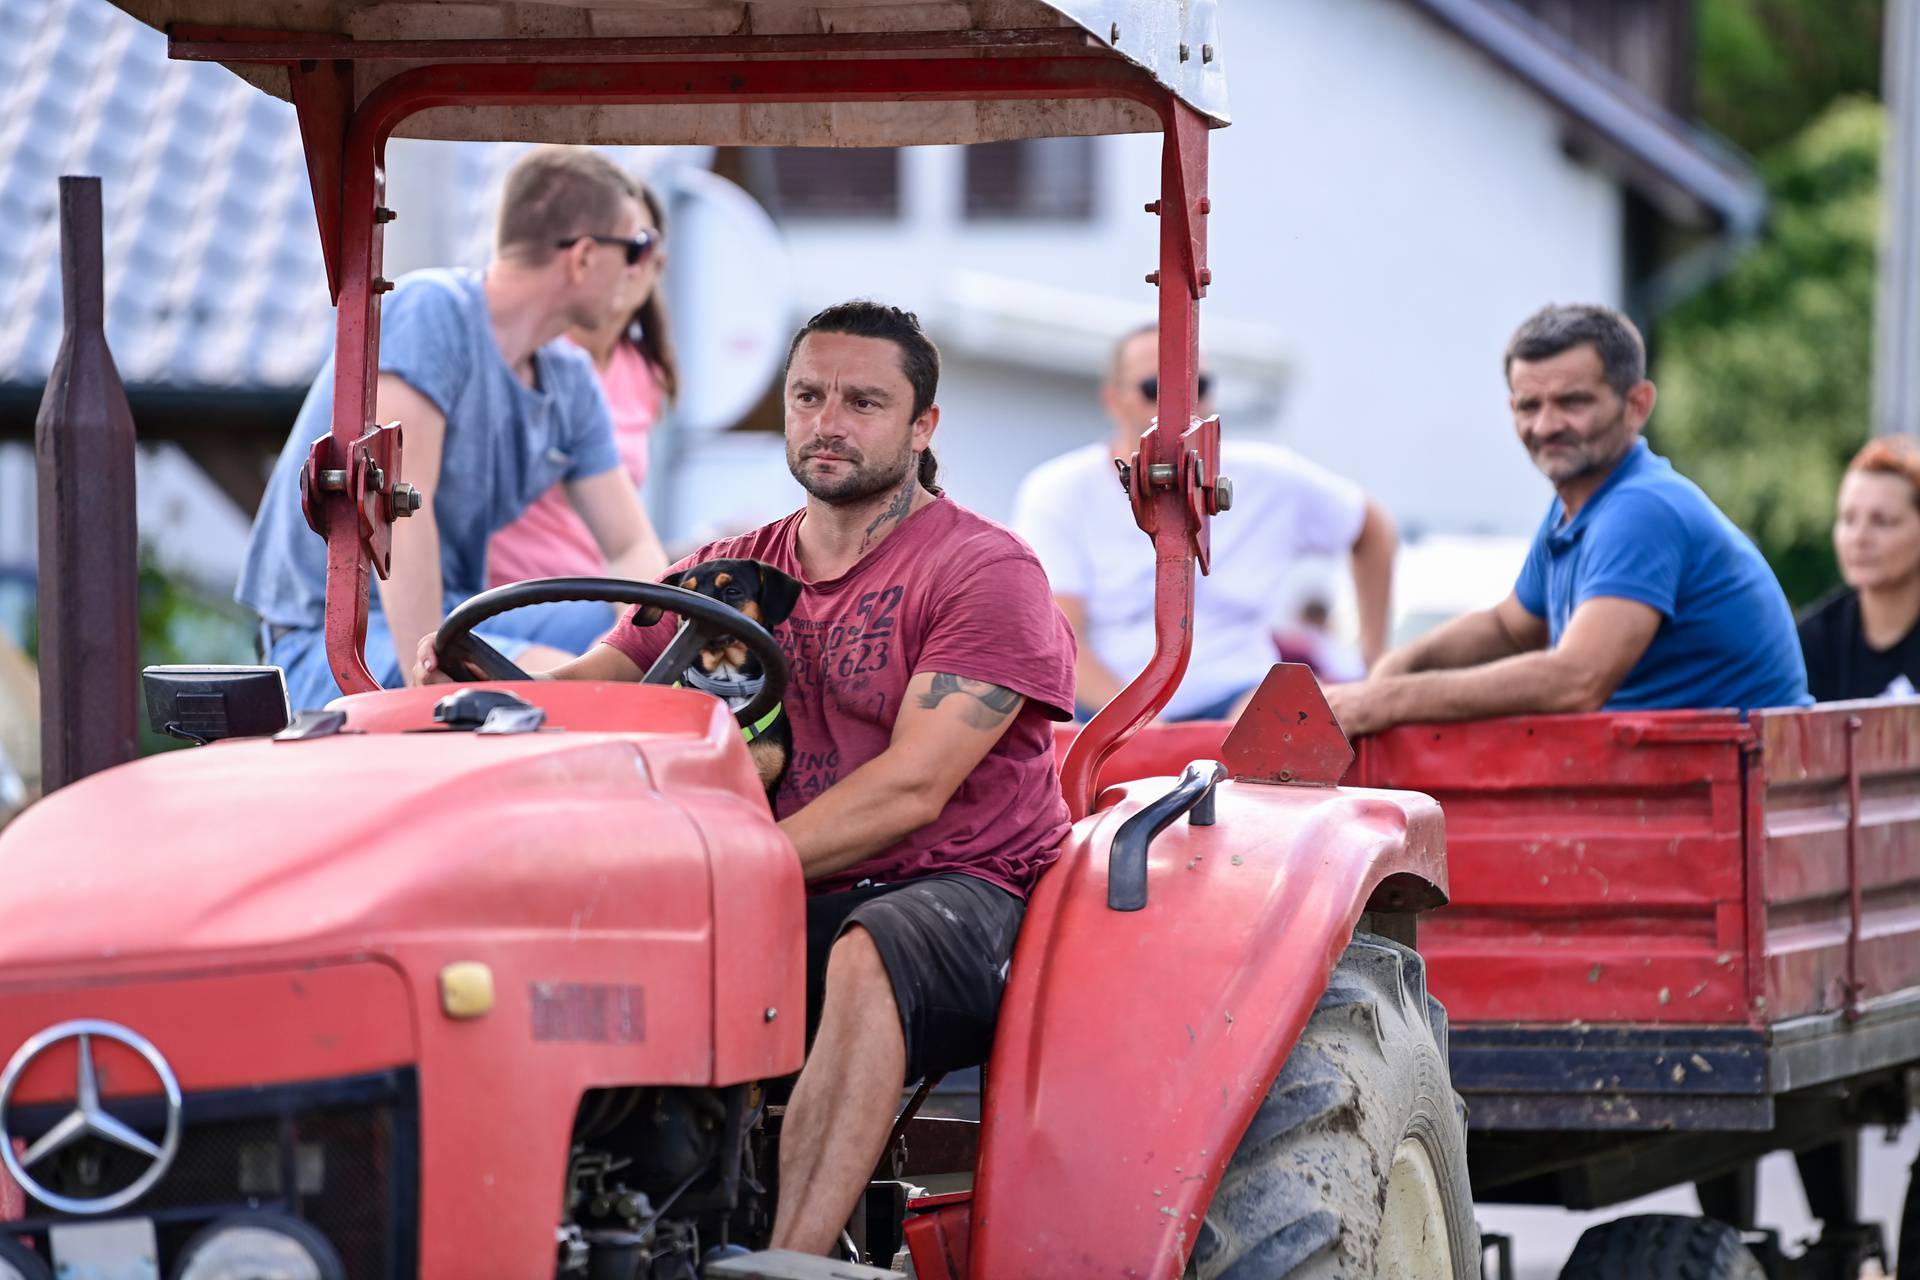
x=178, y=624
x=1765, y=378
x=1767, y=67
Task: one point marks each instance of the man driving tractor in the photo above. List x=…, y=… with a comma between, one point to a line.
x=921, y=794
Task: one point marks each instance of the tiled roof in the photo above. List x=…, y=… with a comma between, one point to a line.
x=214, y=276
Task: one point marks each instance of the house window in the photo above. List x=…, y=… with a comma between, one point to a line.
x=1046, y=179
x=835, y=182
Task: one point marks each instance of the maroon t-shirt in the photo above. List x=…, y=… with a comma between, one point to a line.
x=946, y=591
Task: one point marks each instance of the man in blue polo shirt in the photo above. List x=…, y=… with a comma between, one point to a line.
x=1637, y=593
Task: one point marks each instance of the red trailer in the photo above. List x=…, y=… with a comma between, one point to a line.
x=1675, y=941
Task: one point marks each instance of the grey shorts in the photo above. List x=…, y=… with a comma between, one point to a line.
x=946, y=942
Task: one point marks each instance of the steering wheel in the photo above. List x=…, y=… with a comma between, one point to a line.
x=704, y=621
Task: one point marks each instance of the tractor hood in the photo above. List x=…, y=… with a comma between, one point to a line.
x=346, y=843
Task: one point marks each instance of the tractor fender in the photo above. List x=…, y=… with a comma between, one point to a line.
x=1134, y=1046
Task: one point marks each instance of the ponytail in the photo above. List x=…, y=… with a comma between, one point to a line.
x=928, y=470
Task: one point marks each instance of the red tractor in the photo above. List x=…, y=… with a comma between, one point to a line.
x=441, y=987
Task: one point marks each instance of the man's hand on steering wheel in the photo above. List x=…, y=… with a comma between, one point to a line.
x=454, y=653
x=426, y=664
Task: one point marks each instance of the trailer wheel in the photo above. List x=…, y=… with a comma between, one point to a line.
x=1660, y=1246
x=1355, y=1165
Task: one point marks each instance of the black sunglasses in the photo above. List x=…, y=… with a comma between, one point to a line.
x=1150, y=387
x=637, y=248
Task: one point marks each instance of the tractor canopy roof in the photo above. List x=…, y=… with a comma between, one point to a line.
x=1175, y=43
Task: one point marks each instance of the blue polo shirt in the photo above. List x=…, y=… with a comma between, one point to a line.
x=1726, y=636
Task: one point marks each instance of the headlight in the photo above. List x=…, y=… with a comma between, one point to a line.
x=259, y=1246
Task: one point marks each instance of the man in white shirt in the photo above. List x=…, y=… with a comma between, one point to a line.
x=1071, y=509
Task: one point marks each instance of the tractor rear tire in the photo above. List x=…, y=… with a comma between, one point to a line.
x=1660, y=1246
x=1355, y=1164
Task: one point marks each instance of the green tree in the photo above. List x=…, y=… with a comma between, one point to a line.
x=178, y=624
x=1765, y=377
x=1765, y=68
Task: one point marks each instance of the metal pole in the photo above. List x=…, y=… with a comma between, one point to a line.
x=89, y=547
x=1896, y=349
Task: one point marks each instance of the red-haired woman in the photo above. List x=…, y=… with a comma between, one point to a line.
x=1863, y=641
x=633, y=353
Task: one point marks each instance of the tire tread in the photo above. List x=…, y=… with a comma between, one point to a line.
x=1277, y=1213
x=1658, y=1246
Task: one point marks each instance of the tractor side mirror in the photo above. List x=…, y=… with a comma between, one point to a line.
x=206, y=704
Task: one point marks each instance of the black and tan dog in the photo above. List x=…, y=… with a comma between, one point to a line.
x=727, y=668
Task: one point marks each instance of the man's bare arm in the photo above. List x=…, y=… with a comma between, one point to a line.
x=602, y=662
x=613, y=514
x=1485, y=635
x=412, y=594
x=1093, y=683
x=1372, y=557
x=946, y=726
x=1603, y=640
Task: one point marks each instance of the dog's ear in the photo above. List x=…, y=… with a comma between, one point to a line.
x=778, y=595
x=648, y=614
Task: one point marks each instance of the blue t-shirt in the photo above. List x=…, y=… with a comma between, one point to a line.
x=506, y=444
x=1726, y=636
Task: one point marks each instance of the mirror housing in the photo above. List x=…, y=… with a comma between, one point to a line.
x=206, y=704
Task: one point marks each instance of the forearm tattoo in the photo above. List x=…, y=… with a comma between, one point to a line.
x=987, y=705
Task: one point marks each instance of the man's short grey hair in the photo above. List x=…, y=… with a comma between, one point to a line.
x=1560, y=327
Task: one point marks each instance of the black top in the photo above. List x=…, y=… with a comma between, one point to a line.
x=1841, y=666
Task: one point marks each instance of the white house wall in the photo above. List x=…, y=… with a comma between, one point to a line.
x=1388, y=204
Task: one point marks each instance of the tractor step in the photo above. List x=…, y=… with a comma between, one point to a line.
x=785, y=1264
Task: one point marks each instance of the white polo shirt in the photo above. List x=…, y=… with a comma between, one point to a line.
x=1073, y=512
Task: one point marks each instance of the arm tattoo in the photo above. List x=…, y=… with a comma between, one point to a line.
x=990, y=708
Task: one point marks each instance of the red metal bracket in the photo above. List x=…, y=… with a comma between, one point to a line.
x=1208, y=492
x=1164, y=473
x=1288, y=733
x=323, y=104
x=370, y=480
x=379, y=497
x=1184, y=203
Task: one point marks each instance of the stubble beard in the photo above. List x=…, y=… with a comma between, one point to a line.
x=1595, y=454
x=863, y=480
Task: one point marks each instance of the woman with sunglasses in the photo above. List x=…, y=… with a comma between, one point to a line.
x=634, y=356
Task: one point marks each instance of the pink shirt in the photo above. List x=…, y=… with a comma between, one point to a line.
x=947, y=591
x=550, y=540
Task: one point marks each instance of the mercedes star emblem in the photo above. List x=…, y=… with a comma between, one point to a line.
x=89, y=1117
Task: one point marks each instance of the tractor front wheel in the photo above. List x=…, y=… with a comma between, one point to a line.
x=1355, y=1165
